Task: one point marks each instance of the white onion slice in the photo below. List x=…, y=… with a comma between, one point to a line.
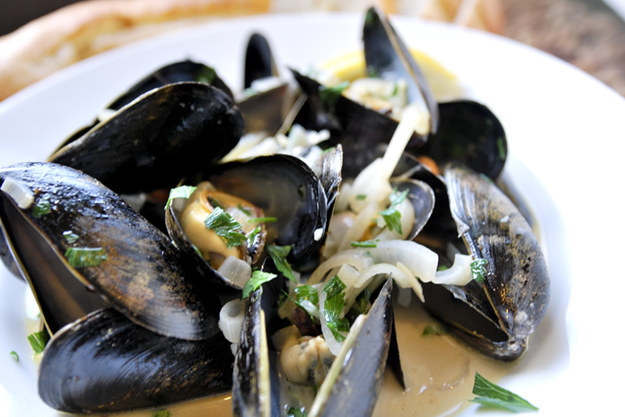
x=458, y=274
x=21, y=194
x=231, y=320
x=236, y=270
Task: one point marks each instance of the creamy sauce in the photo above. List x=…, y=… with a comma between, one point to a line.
x=438, y=370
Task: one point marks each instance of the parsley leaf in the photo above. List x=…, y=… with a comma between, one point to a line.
x=492, y=395
x=434, y=329
x=329, y=95
x=258, y=278
x=478, y=269
x=15, y=356
x=295, y=412
x=161, y=413
x=365, y=244
x=42, y=207
x=70, y=237
x=184, y=191
x=278, y=254
x=85, y=257
x=226, y=227
x=391, y=215
x=262, y=220
x=333, y=306
x=307, y=297
x=38, y=340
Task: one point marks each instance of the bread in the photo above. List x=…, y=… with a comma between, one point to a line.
x=86, y=28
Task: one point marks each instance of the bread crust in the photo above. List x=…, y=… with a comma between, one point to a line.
x=80, y=30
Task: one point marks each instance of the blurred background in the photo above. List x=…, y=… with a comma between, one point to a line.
x=587, y=33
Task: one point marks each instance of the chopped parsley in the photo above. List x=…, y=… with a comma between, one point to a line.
x=184, y=191
x=333, y=306
x=15, y=356
x=38, y=340
x=278, y=254
x=251, y=237
x=478, y=269
x=492, y=395
x=361, y=197
x=244, y=210
x=391, y=215
x=258, y=278
x=329, y=95
x=262, y=220
x=207, y=75
x=226, y=227
x=362, y=304
x=434, y=329
x=70, y=237
x=295, y=412
x=366, y=244
x=307, y=297
x=85, y=257
x=161, y=413
x=42, y=207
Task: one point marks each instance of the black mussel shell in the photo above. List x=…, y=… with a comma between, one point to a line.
x=498, y=315
x=361, y=131
x=387, y=57
x=106, y=363
x=138, y=270
x=164, y=135
x=259, y=60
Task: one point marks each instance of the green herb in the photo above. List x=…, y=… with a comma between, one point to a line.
x=478, y=269
x=184, y=191
x=70, y=237
x=492, y=395
x=85, y=257
x=15, y=356
x=244, y=210
x=361, y=197
x=252, y=236
x=225, y=226
x=391, y=215
x=262, y=220
x=295, y=412
x=362, y=304
x=333, y=306
x=435, y=329
x=278, y=254
x=329, y=95
x=366, y=243
x=307, y=297
x=258, y=278
x=207, y=75
x=161, y=413
x=38, y=340
x=42, y=207
x=501, y=148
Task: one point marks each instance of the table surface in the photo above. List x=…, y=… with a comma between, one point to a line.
x=586, y=33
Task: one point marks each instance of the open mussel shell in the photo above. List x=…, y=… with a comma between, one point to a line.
x=354, y=392
x=137, y=268
x=284, y=187
x=361, y=131
x=498, y=315
x=387, y=57
x=106, y=363
x=157, y=139
x=176, y=72
x=259, y=61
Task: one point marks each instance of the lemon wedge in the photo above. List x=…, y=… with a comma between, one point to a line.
x=351, y=66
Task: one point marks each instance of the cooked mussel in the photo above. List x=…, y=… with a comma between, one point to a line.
x=106, y=363
x=76, y=240
x=498, y=312
x=157, y=139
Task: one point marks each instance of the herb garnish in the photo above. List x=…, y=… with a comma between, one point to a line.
x=38, y=340
x=362, y=304
x=258, y=278
x=15, y=356
x=329, y=95
x=295, y=412
x=307, y=297
x=207, y=75
x=42, y=207
x=252, y=236
x=70, y=237
x=434, y=329
x=278, y=254
x=226, y=227
x=85, y=257
x=161, y=413
x=262, y=220
x=366, y=243
x=361, y=197
x=184, y=191
x=391, y=215
x=333, y=306
x=492, y=395
x=478, y=269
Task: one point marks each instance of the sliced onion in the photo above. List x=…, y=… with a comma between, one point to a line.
x=21, y=194
x=236, y=270
x=231, y=320
x=458, y=274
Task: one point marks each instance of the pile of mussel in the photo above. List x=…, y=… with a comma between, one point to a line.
x=132, y=306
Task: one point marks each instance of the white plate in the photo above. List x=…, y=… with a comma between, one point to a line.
x=565, y=133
